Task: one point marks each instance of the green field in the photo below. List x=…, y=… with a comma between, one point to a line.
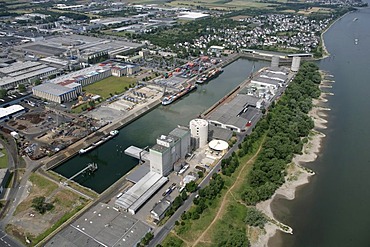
x=111, y=85
x=4, y=159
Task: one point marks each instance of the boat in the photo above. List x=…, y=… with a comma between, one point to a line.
x=169, y=99
x=98, y=143
x=355, y=19
x=114, y=132
x=356, y=41
x=209, y=76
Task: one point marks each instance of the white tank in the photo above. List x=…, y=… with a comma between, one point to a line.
x=275, y=62
x=199, y=129
x=296, y=62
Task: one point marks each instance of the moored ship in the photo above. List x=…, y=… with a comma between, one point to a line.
x=98, y=143
x=169, y=99
x=209, y=76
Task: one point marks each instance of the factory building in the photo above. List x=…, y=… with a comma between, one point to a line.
x=236, y=114
x=271, y=78
x=12, y=111
x=159, y=210
x=23, y=73
x=199, y=133
x=168, y=150
x=123, y=69
x=192, y=16
x=57, y=93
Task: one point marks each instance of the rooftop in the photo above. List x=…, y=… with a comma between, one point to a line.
x=229, y=113
x=6, y=111
x=52, y=88
x=102, y=225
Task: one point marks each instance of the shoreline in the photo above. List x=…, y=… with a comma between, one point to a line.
x=297, y=175
x=325, y=50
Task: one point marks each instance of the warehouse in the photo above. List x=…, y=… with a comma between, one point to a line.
x=235, y=114
x=57, y=93
x=23, y=73
x=12, y=111
x=85, y=76
x=138, y=194
x=192, y=16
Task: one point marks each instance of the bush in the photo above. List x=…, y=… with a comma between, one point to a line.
x=255, y=218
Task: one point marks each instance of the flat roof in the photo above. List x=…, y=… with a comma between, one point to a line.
x=17, y=66
x=218, y=145
x=52, y=88
x=229, y=113
x=192, y=15
x=6, y=111
x=102, y=225
x=141, y=191
x=138, y=173
x=259, y=79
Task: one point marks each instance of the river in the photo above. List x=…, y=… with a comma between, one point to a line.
x=334, y=208
x=113, y=163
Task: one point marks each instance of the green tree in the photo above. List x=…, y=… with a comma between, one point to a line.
x=255, y=218
x=22, y=88
x=3, y=93
x=191, y=186
x=40, y=205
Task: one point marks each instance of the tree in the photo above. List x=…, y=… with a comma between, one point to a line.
x=22, y=88
x=40, y=205
x=37, y=82
x=3, y=93
x=255, y=218
x=191, y=186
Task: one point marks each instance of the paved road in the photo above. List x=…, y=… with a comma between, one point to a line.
x=7, y=241
x=163, y=231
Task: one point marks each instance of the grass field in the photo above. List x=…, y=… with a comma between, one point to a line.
x=225, y=211
x=66, y=203
x=4, y=159
x=111, y=85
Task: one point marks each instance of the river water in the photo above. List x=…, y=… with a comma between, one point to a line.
x=113, y=163
x=334, y=209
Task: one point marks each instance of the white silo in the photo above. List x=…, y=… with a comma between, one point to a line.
x=275, y=62
x=199, y=131
x=296, y=62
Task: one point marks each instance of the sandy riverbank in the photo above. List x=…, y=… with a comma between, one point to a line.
x=297, y=175
x=325, y=50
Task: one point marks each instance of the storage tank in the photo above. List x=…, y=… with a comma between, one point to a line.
x=199, y=129
x=275, y=62
x=296, y=62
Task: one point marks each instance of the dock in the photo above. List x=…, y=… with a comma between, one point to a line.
x=137, y=153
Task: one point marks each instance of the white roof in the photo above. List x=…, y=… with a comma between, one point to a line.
x=218, y=145
x=192, y=15
x=10, y=110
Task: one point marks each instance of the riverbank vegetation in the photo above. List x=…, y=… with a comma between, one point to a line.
x=253, y=173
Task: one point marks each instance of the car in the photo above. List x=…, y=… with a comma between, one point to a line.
x=174, y=184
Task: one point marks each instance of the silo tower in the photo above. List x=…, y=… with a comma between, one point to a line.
x=296, y=62
x=275, y=62
x=199, y=132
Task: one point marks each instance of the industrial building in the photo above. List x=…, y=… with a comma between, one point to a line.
x=57, y=93
x=159, y=209
x=272, y=78
x=12, y=111
x=24, y=73
x=102, y=225
x=84, y=48
x=67, y=87
x=169, y=150
x=199, y=132
x=138, y=194
x=236, y=114
x=192, y=16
